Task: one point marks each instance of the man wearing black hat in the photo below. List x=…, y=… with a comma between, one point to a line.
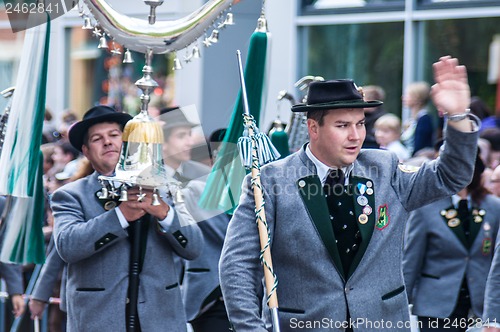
x=178, y=145
x=201, y=292
x=336, y=216
x=94, y=240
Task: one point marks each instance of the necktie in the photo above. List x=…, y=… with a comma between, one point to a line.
x=179, y=177
x=463, y=215
x=334, y=182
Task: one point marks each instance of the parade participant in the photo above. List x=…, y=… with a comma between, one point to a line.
x=449, y=245
x=177, y=146
x=372, y=114
x=12, y=274
x=53, y=274
x=491, y=313
x=94, y=240
x=337, y=250
x=201, y=292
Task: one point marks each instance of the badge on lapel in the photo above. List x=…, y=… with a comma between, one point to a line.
x=107, y=203
x=383, y=217
x=451, y=217
x=486, y=246
x=478, y=215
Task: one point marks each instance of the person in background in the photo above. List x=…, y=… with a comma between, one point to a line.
x=215, y=139
x=48, y=128
x=449, y=246
x=479, y=108
x=68, y=118
x=492, y=135
x=51, y=283
x=418, y=132
x=387, y=134
x=372, y=92
x=495, y=181
x=201, y=293
x=12, y=274
x=177, y=146
x=491, y=313
x=64, y=153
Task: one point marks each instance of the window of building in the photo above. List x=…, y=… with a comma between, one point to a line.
x=470, y=41
x=367, y=43
x=371, y=54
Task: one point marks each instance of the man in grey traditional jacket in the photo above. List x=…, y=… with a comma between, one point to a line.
x=95, y=241
x=336, y=216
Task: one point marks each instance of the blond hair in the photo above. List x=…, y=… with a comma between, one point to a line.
x=421, y=91
x=389, y=121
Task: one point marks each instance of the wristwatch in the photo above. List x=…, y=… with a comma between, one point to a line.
x=459, y=117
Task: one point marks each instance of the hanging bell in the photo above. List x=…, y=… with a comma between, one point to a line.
x=177, y=64
x=156, y=200
x=229, y=19
x=123, y=195
x=104, y=193
x=103, y=42
x=188, y=57
x=195, y=53
x=127, y=57
x=141, y=158
x=214, y=37
x=87, y=25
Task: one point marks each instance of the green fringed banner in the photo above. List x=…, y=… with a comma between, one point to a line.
x=21, y=159
x=223, y=187
x=279, y=138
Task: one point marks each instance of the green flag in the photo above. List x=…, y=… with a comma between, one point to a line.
x=224, y=182
x=21, y=159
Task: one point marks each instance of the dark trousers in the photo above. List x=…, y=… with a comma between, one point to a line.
x=457, y=322
x=451, y=324
x=213, y=320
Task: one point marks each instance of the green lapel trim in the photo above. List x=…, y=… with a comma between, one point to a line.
x=366, y=229
x=449, y=216
x=476, y=222
x=311, y=191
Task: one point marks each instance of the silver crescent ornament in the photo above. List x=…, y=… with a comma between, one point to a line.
x=162, y=36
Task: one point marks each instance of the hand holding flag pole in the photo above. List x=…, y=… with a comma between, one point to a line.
x=255, y=150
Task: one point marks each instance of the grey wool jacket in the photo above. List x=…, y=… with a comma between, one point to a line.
x=312, y=291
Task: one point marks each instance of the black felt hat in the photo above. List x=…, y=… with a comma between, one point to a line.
x=174, y=117
x=325, y=95
x=97, y=114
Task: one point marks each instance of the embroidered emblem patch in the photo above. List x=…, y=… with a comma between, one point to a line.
x=486, y=248
x=408, y=168
x=383, y=217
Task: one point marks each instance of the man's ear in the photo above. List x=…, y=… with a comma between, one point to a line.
x=312, y=127
x=85, y=150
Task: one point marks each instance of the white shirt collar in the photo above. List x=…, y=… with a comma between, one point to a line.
x=455, y=199
x=170, y=171
x=323, y=169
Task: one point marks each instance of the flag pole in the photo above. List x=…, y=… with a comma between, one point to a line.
x=270, y=278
